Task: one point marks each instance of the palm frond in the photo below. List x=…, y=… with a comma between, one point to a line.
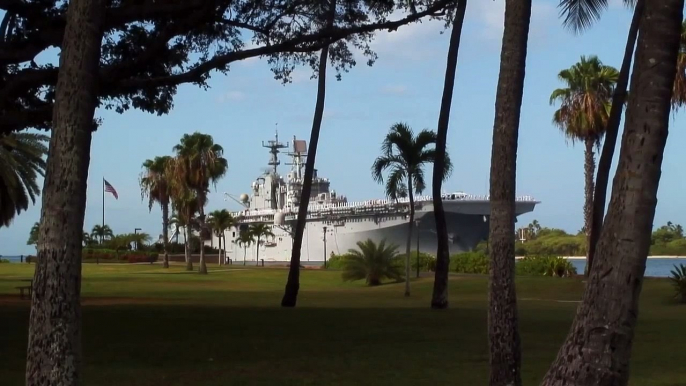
x=579, y=15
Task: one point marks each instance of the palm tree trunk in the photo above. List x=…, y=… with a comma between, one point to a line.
x=203, y=230
x=503, y=332
x=165, y=233
x=54, y=344
x=409, y=235
x=611, y=132
x=598, y=347
x=187, y=249
x=439, y=297
x=257, y=252
x=589, y=171
x=290, y=296
x=219, y=255
x=245, y=251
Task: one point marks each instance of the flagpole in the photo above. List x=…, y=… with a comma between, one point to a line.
x=103, y=202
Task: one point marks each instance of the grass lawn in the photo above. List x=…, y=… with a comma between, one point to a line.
x=143, y=325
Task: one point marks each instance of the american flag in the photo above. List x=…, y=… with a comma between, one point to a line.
x=110, y=189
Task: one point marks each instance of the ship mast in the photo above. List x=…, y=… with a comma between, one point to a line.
x=274, y=146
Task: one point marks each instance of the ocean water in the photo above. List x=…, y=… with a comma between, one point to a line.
x=655, y=267
x=12, y=259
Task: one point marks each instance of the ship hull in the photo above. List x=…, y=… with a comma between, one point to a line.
x=467, y=225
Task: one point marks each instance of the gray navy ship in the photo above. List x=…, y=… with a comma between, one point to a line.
x=335, y=224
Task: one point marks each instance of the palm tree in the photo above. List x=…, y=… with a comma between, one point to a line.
x=290, y=296
x=199, y=162
x=21, y=162
x=220, y=221
x=260, y=231
x=154, y=183
x=245, y=240
x=598, y=347
x=86, y=239
x=503, y=331
x=102, y=232
x=439, y=296
x=679, y=91
x=138, y=239
x=584, y=110
x=372, y=262
x=579, y=15
x=404, y=155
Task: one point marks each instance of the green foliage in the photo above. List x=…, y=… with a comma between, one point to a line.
x=4, y=261
x=21, y=163
x=33, y=234
x=469, y=262
x=336, y=261
x=373, y=263
x=678, y=279
x=403, y=156
x=545, y=265
x=111, y=255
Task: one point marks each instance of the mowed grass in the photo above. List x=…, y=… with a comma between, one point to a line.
x=143, y=325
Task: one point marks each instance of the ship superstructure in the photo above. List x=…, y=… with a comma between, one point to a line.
x=335, y=224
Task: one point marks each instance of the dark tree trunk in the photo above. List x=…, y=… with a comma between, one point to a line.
x=503, y=331
x=589, y=171
x=290, y=296
x=409, y=235
x=257, y=251
x=54, y=344
x=203, y=231
x=165, y=233
x=439, y=297
x=598, y=347
x=611, y=132
x=187, y=248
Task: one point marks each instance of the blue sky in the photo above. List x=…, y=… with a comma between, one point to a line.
x=241, y=109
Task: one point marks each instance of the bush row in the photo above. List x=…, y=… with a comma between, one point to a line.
x=477, y=262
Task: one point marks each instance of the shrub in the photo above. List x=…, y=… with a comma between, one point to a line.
x=4, y=261
x=469, y=262
x=372, y=262
x=30, y=259
x=678, y=278
x=336, y=261
x=546, y=266
x=427, y=262
x=142, y=258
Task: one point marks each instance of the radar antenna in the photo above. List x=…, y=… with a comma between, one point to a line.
x=274, y=146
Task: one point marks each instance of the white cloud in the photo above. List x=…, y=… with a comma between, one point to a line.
x=394, y=89
x=409, y=42
x=231, y=96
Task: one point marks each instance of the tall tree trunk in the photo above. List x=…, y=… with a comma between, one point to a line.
x=598, y=347
x=611, y=132
x=257, y=252
x=409, y=234
x=219, y=256
x=290, y=296
x=503, y=330
x=245, y=251
x=54, y=344
x=203, y=231
x=589, y=171
x=165, y=233
x=187, y=249
x=439, y=297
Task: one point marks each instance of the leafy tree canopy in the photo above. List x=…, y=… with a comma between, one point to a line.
x=150, y=47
